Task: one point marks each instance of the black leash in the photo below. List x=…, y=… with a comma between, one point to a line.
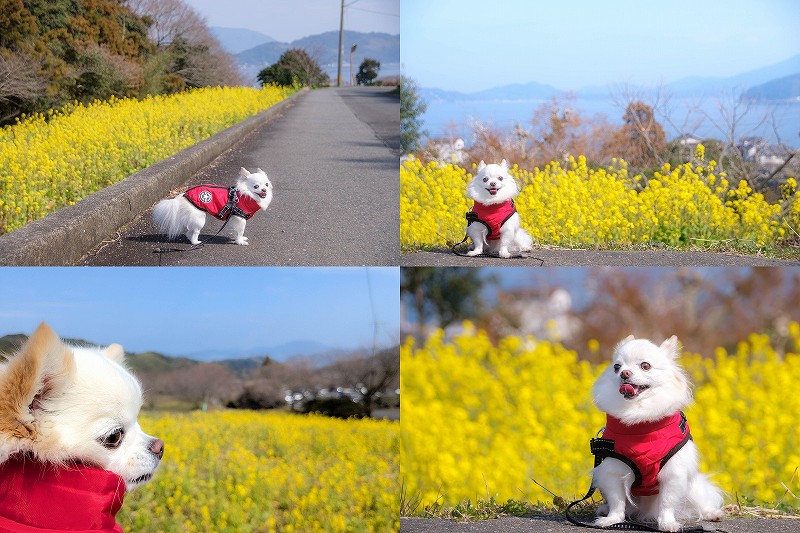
x=472, y=217
x=199, y=245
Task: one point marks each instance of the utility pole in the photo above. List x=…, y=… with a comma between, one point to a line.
x=341, y=35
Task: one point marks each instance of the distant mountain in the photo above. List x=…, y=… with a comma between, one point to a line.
x=281, y=352
x=235, y=40
x=780, y=90
x=745, y=80
x=324, y=49
x=516, y=91
x=239, y=361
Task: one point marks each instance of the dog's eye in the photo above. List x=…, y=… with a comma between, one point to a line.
x=114, y=439
x=485, y=180
x=617, y=367
x=645, y=366
x=500, y=178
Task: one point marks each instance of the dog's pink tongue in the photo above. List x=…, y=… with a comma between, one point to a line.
x=627, y=389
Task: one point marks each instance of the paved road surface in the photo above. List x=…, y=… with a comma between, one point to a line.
x=559, y=258
x=333, y=158
x=560, y=525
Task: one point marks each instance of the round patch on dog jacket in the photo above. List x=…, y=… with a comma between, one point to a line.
x=647, y=447
x=43, y=498
x=494, y=216
x=213, y=198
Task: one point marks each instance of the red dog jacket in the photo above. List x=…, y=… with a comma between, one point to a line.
x=644, y=447
x=494, y=216
x=41, y=498
x=213, y=199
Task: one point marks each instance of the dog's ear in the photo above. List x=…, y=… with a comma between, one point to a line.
x=628, y=338
x=244, y=173
x=504, y=164
x=260, y=171
x=115, y=352
x=670, y=347
x=481, y=165
x=42, y=368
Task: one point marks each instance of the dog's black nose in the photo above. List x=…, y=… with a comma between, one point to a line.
x=626, y=374
x=157, y=447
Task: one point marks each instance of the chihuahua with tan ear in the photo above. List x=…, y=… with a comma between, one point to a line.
x=68, y=415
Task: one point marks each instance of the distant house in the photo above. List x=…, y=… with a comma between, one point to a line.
x=750, y=147
x=449, y=151
x=688, y=140
x=765, y=156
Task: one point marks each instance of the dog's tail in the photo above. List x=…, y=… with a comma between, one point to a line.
x=171, y=217
x=523, y=240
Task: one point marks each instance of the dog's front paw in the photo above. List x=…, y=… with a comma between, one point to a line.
x=505, y=254
x=242, y=241
x=473, y=253
x=713, y=515
x=669, y=525
x=610, y=520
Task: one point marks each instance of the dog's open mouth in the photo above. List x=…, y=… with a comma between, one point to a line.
x=492, y=190
x=630, y=390
x=263, y=194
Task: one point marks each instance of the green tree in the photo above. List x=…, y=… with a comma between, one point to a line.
x=294, y=66
x=411, y=109
x=368, y=71
x=443, y=295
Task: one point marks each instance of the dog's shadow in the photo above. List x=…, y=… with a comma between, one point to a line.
x=162, y=239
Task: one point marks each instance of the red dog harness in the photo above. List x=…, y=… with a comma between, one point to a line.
x=222, y=202
x=644, y=447
x=493, y=216
x=42, y=498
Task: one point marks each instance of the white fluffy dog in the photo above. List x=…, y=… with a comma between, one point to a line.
x=497, y=230
x=650, y=470
x=61, y=404
x=186, y=214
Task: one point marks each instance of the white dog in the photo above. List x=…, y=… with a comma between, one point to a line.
x=497, y=230
x=650, y=469
x=186, y=214
x=61, y=404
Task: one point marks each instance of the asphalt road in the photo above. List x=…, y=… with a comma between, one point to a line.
x=560, y=525
x=561, y=257
x=333, y=161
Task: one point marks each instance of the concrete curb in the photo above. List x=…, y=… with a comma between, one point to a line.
x=64, y=236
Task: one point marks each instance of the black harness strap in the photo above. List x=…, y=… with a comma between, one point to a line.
x=602, y=448
x=230, y=207
x=473, y=217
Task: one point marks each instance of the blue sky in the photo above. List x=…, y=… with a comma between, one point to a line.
x=471, y=45
x=183, y=310
x=287, y=20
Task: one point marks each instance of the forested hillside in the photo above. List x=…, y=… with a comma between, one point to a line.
x=58, y=51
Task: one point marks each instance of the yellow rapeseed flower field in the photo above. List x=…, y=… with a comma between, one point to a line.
x=482, y=420
x=235, y=471
x=578, y=206
x=51, y=160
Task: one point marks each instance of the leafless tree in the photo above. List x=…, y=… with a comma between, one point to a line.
x=20, y=82
x=201, y=60
x=370, y=374
x=204, y=383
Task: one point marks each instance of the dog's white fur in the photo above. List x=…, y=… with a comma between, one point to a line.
x=177, y=216
x=65, y=403
x=684, y=493
x=513, y=239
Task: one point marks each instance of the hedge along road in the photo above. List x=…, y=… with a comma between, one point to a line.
x=333, y=161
